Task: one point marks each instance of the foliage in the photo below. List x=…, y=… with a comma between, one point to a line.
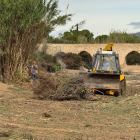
x=126, y=73
x=41, y=97
x=73, y=36
x=54, y=17
x=117, y=37
x=51, y=61
x=53, y=67
x=27, y=136
x=46, y=115
x=86, y=57
x=23, y=25
x=77, y=36
x=51, y=39
x=87, y=34
x=47, y=57
x=82, y=92
x=77, y=25
x=5, y=133
x=82, y=39
x=72, y=61
x=133, y=58
x=123, y=37
x=101, y=39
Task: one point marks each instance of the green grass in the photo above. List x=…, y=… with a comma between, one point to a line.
x=28, y=136
x=87, y=107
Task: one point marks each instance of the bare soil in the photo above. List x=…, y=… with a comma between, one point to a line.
x=22, y=116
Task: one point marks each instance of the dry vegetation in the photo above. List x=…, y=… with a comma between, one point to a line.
x=22, y=116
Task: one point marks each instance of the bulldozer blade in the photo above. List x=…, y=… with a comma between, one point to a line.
x=102, y=80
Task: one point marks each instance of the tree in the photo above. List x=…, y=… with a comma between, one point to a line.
x=54, y=17
x=122, y=37
x=82, y=39
x=101, y=39
x=87, y=34
x=23, y=25
x=84, y=36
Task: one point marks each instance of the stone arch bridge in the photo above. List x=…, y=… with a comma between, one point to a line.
x=122, y=49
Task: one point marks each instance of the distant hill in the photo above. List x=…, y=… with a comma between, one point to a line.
x=137, y=34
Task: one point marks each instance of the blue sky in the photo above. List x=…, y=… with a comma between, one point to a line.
x=102, y=16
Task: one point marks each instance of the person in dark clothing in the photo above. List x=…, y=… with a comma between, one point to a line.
x=34, y=71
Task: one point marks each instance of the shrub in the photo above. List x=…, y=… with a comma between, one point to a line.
x=133, y=58
x=73, y=61
x=86, y=57
x=47, y=57
x=126, y=73
x=49, y=62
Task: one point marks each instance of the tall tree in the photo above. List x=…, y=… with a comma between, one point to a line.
x=22, y=25
x=84, y=36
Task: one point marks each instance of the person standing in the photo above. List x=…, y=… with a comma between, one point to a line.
x=34, y=71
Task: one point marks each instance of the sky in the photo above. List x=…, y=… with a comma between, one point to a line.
x=101, y=16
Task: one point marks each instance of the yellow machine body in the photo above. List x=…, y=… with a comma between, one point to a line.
x=105, y=75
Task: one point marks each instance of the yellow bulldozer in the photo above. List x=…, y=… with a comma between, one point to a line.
x=105, y=75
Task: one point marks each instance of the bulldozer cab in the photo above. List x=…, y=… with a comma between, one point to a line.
x=106, y=62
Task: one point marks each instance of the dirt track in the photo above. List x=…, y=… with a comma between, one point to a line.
x=109, y=118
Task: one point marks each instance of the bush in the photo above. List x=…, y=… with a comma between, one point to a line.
x=60, y=86
x=53, y=67
x=86, y=57
x=47, y=57
x=49, y=62
x=126, y=73
x=73, y=61
x=133, y=58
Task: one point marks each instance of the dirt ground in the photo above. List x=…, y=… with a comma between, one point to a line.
x=22, y=117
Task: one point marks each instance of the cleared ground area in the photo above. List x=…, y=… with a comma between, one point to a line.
x=107, y=118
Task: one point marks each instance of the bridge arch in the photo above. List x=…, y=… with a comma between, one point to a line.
x=86, y=57
x=132, y=58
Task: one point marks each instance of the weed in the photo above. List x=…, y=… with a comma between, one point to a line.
x=131, y=103
x=25, y=117
x=88, y=125
x=46, y=115
x=115, y=101
x=20, y=74
x=105, y=107
x=72, y=60
x=129, y=99
x=126, y=73
x=76, y=101
x=41, y=97
x=17, y=89
x=83, y=91
x=27, y=136
x=5, y=134
x=87, y=107
x=126, y=110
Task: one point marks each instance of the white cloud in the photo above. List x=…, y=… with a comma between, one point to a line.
x=135, y=24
